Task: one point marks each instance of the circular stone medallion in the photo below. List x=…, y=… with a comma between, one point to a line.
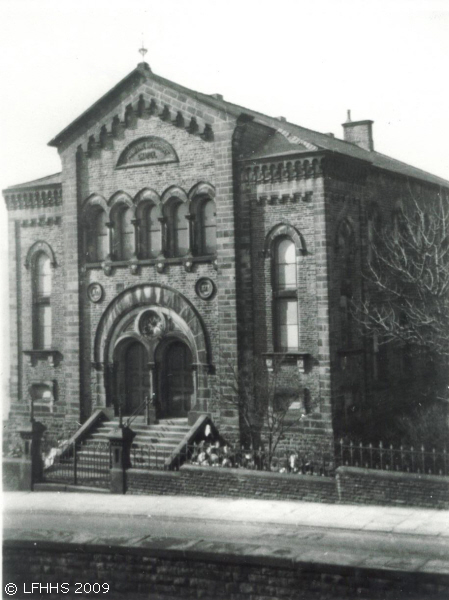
x=205, y=288
x=95, y=292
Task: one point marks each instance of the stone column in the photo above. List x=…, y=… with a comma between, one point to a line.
x=120, y=441
x=151, y=413
x=30, y=471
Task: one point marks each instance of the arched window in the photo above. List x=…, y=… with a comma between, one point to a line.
x=124, y=234
x=42, y=302
x=207, y=230
x=150, y=228
x=374, y=227
x=345, y=258
x=97, y=236
x=179, y=228
x=285, y=299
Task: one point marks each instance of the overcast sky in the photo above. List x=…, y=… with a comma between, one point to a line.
x=307, y=61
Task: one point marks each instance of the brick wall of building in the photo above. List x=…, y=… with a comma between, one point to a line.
x=199, y=161
x=353, y=195
x=28, y=226
x=294, y=201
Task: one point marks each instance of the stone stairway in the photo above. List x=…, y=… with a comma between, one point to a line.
x=151, y=446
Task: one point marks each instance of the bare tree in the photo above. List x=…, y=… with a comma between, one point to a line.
x=263, y=401
x=407, y=299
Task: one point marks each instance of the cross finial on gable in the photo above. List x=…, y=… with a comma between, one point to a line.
x=143, y=51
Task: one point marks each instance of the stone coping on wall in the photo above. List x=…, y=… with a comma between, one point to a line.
x=351, y=485
x=345, y=563
x=392, y=475
x=237, y=473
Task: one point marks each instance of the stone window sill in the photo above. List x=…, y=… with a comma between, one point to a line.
x=52, y=355
x=158, y=262
x=291, y=357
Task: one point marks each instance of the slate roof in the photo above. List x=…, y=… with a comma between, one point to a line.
x=299, y=138
x=50, y=180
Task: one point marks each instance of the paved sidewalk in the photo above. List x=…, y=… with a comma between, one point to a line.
x=417, y=521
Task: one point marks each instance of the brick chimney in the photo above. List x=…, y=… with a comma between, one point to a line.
x=359, y=133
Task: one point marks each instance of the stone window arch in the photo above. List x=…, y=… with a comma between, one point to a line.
x=206, y=226
x=149, y=220
x=177, y=215
x=96, y=235
x=345, y=250
x=373, y=230
x=283, y=246
x=41, y=299
x=123, y=221
x=285, y=295
x=203, y=210
x=176, y=209
x=150, y=238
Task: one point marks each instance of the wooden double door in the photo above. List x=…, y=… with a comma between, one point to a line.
x=173, y=379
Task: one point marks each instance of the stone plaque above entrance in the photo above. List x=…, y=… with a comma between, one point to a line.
x=150, y=150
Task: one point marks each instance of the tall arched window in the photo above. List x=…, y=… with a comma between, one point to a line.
x=97, y=236
x=345, y=257
x=179, y=230
x=285, y=299
x=150, y=228
x=124, y=238
x=207, y=231
x=374, y=226
x=42, y=302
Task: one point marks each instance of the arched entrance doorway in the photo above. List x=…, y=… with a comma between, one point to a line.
x=134, y=376
x=176, y=381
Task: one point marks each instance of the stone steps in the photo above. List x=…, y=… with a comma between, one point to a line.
x=151, y=446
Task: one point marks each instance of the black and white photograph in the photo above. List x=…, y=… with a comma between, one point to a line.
x=224, y=299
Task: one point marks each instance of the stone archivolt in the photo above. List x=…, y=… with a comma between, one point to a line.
x=166, y=311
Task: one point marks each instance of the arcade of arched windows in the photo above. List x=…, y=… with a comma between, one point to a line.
x=150, y=227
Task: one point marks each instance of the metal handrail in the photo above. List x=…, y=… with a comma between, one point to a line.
x=144, y=406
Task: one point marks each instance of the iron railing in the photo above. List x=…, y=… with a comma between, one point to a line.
x=296, y=461
x=147, y=457
x=142, y=409
x=292, y=460
x=76, y=463
x=387, y=458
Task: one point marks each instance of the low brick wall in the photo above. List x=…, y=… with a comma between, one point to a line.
x=350, y=486
x=367, y=486
x=189, y=573
x=232, y=483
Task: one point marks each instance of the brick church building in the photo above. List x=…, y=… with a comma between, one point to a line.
x=186, y=237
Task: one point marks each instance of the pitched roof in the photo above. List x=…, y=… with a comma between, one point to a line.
x=299, y=138
x=49, y=180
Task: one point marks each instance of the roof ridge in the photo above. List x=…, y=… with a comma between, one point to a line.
x=34, y=181
x=308, y=137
